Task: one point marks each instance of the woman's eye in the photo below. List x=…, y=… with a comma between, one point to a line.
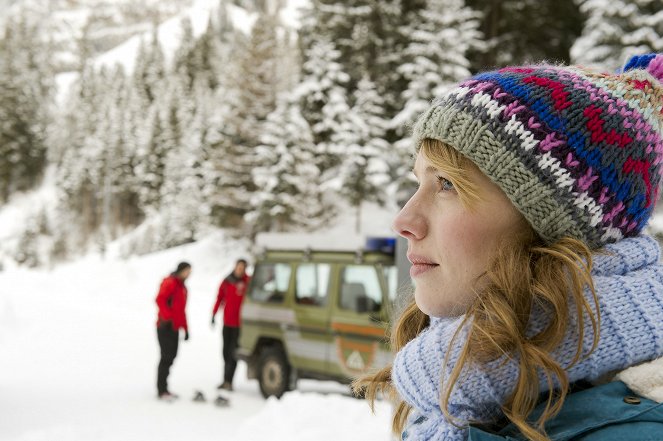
x=445, y=184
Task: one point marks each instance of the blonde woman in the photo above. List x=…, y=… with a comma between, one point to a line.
x=534, y=285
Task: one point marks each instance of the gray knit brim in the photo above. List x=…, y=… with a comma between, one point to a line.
x=504, y=165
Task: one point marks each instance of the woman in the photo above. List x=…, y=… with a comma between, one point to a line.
x=533, y=283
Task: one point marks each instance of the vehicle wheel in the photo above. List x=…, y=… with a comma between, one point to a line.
x=273, y=372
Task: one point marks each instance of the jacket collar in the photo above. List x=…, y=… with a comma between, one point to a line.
x=583, y=412
x=645, y=379
x=232, y=278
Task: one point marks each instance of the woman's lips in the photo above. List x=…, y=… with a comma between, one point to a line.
x=420, y=265
x=418, y=269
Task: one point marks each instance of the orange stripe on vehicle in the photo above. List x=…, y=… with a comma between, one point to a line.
x=357, y=329
x=354, y=346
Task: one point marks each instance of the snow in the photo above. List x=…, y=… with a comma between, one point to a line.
x=79, y=353
x=655, y=224
x=24, y=207
x=291, y=14
x=63, y=83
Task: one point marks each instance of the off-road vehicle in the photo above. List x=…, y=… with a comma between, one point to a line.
x=317, y=314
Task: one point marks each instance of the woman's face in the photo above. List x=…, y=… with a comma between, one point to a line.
x=449, y=244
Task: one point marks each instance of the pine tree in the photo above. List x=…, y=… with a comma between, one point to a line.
x=391, y=22
x=364, y=172
x=149, y=70
x=150, y=163
x=324, y=101
x=437, y=54
x=80, y=151
x=97, y=169
x=371, y=37
x=289, y=195
x=246, y=100
x=525, y=31
x=198, y=58
x=25, y=106
x=346, y=24
x=616, y=30
x=121, y=152
x=184, y=206
x=341, y=43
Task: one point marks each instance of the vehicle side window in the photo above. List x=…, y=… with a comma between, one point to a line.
x=360, y=289
x=312, y=284
x=391, y=277
x=270, y=282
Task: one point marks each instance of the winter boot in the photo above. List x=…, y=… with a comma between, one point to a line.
x=168, y=397
x=225, y=386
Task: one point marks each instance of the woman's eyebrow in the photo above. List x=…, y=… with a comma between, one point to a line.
x=429, y=170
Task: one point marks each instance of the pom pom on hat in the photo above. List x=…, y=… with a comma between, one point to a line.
x=656, y=67
x=638, y=62
x=652, y=63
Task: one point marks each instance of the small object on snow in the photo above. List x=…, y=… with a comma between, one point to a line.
x=199, y=397
x=221, y=401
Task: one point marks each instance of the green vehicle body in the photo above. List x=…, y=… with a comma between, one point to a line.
x=316, y=314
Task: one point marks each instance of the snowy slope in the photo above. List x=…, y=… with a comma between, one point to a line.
x=169, y=33
x=79, y=355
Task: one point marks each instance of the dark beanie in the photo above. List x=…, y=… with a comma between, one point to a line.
x=182, y=266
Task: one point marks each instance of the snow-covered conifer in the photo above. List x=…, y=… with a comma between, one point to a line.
x=615, y=30
x=363, y=174
x=25, y=105
x=437, y=53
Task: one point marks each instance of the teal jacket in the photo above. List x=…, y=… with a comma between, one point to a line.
x=610, y=412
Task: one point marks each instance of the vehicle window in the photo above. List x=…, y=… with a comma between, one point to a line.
x=312, y=284
x=270, y=282
x=391, y=277
x=360, y=289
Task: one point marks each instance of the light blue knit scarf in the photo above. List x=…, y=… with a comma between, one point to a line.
x=629, y=284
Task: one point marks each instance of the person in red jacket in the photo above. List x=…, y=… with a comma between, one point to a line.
x=171, y=301
x=230, y=296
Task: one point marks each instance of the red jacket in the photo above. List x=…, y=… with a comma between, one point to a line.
x=231, y=296
x=171, y=301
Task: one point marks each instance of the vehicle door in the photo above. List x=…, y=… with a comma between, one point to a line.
x=359, y=320
x=265, y=312
x=309, y=341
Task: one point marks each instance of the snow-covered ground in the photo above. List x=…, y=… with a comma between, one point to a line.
x=78, y=355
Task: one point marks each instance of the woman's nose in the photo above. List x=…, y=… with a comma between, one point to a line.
x=410, y=223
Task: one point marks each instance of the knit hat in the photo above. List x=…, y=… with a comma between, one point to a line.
x=578, y=152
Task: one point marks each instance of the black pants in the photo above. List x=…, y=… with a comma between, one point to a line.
x=168, y=341
x=230, y=340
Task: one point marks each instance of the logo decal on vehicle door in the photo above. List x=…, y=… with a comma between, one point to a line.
x=355, y=356
x=355, y=361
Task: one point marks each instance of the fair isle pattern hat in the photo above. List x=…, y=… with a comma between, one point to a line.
x=578, y=152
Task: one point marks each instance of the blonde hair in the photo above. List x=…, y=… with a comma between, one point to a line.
x=523, y=273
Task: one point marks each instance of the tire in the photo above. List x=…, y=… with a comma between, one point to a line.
x=273, y=372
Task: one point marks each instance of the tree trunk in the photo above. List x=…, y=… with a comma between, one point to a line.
x=358, y=219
